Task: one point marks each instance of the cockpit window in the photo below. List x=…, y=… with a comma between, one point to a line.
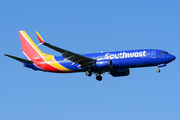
x=164, y=53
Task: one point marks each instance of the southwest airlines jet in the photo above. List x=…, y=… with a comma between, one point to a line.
x=115, y=63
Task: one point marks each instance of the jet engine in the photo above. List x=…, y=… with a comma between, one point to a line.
x=120, y=72
x=103, y=64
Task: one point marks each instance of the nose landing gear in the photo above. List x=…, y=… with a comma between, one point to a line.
x=158, y=70
x=160, y=65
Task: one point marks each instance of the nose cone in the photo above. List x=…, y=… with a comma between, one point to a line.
x=172, y=57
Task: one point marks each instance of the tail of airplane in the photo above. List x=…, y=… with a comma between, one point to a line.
x=37, y=60
x=34, y=55
x=30, y=50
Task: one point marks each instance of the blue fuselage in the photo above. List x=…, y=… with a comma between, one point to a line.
x=124, y=59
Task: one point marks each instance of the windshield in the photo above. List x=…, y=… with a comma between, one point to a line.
x=164, y=53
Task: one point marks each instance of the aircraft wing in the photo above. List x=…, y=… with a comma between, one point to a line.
x=19, y=59
x=83, y=61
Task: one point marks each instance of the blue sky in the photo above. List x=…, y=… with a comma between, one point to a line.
x=89, y=27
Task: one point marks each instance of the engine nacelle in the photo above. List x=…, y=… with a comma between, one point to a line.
x=120, y=72
x=103, y=64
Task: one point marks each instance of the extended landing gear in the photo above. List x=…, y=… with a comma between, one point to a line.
x=158, y=70
x=160, y=65
x=98, y=77
x=88, y=73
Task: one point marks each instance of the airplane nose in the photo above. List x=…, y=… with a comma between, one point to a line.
x=172, y=57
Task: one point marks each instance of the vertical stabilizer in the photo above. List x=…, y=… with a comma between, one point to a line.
x=31, y=51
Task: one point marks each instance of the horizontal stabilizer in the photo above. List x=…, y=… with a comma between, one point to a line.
x=19, y=59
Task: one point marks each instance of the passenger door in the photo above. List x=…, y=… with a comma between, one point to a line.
x=153, y=54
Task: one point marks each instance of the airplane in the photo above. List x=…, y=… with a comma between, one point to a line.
x=116, y=63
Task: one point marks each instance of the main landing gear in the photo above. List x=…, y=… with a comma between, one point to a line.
x=88, y=73
x=98, y=77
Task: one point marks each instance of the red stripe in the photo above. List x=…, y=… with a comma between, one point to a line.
x=40, y=39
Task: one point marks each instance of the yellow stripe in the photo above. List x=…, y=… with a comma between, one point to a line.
x=32, y=43
x=50, y=59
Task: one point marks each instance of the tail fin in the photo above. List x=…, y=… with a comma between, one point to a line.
x=37, y=59
x=31, y=51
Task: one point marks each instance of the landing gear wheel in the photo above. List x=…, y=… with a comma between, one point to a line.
x=88, y=73
x=98, y=77
x=158, y=70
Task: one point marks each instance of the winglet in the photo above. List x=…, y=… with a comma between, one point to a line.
x=39, y=37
